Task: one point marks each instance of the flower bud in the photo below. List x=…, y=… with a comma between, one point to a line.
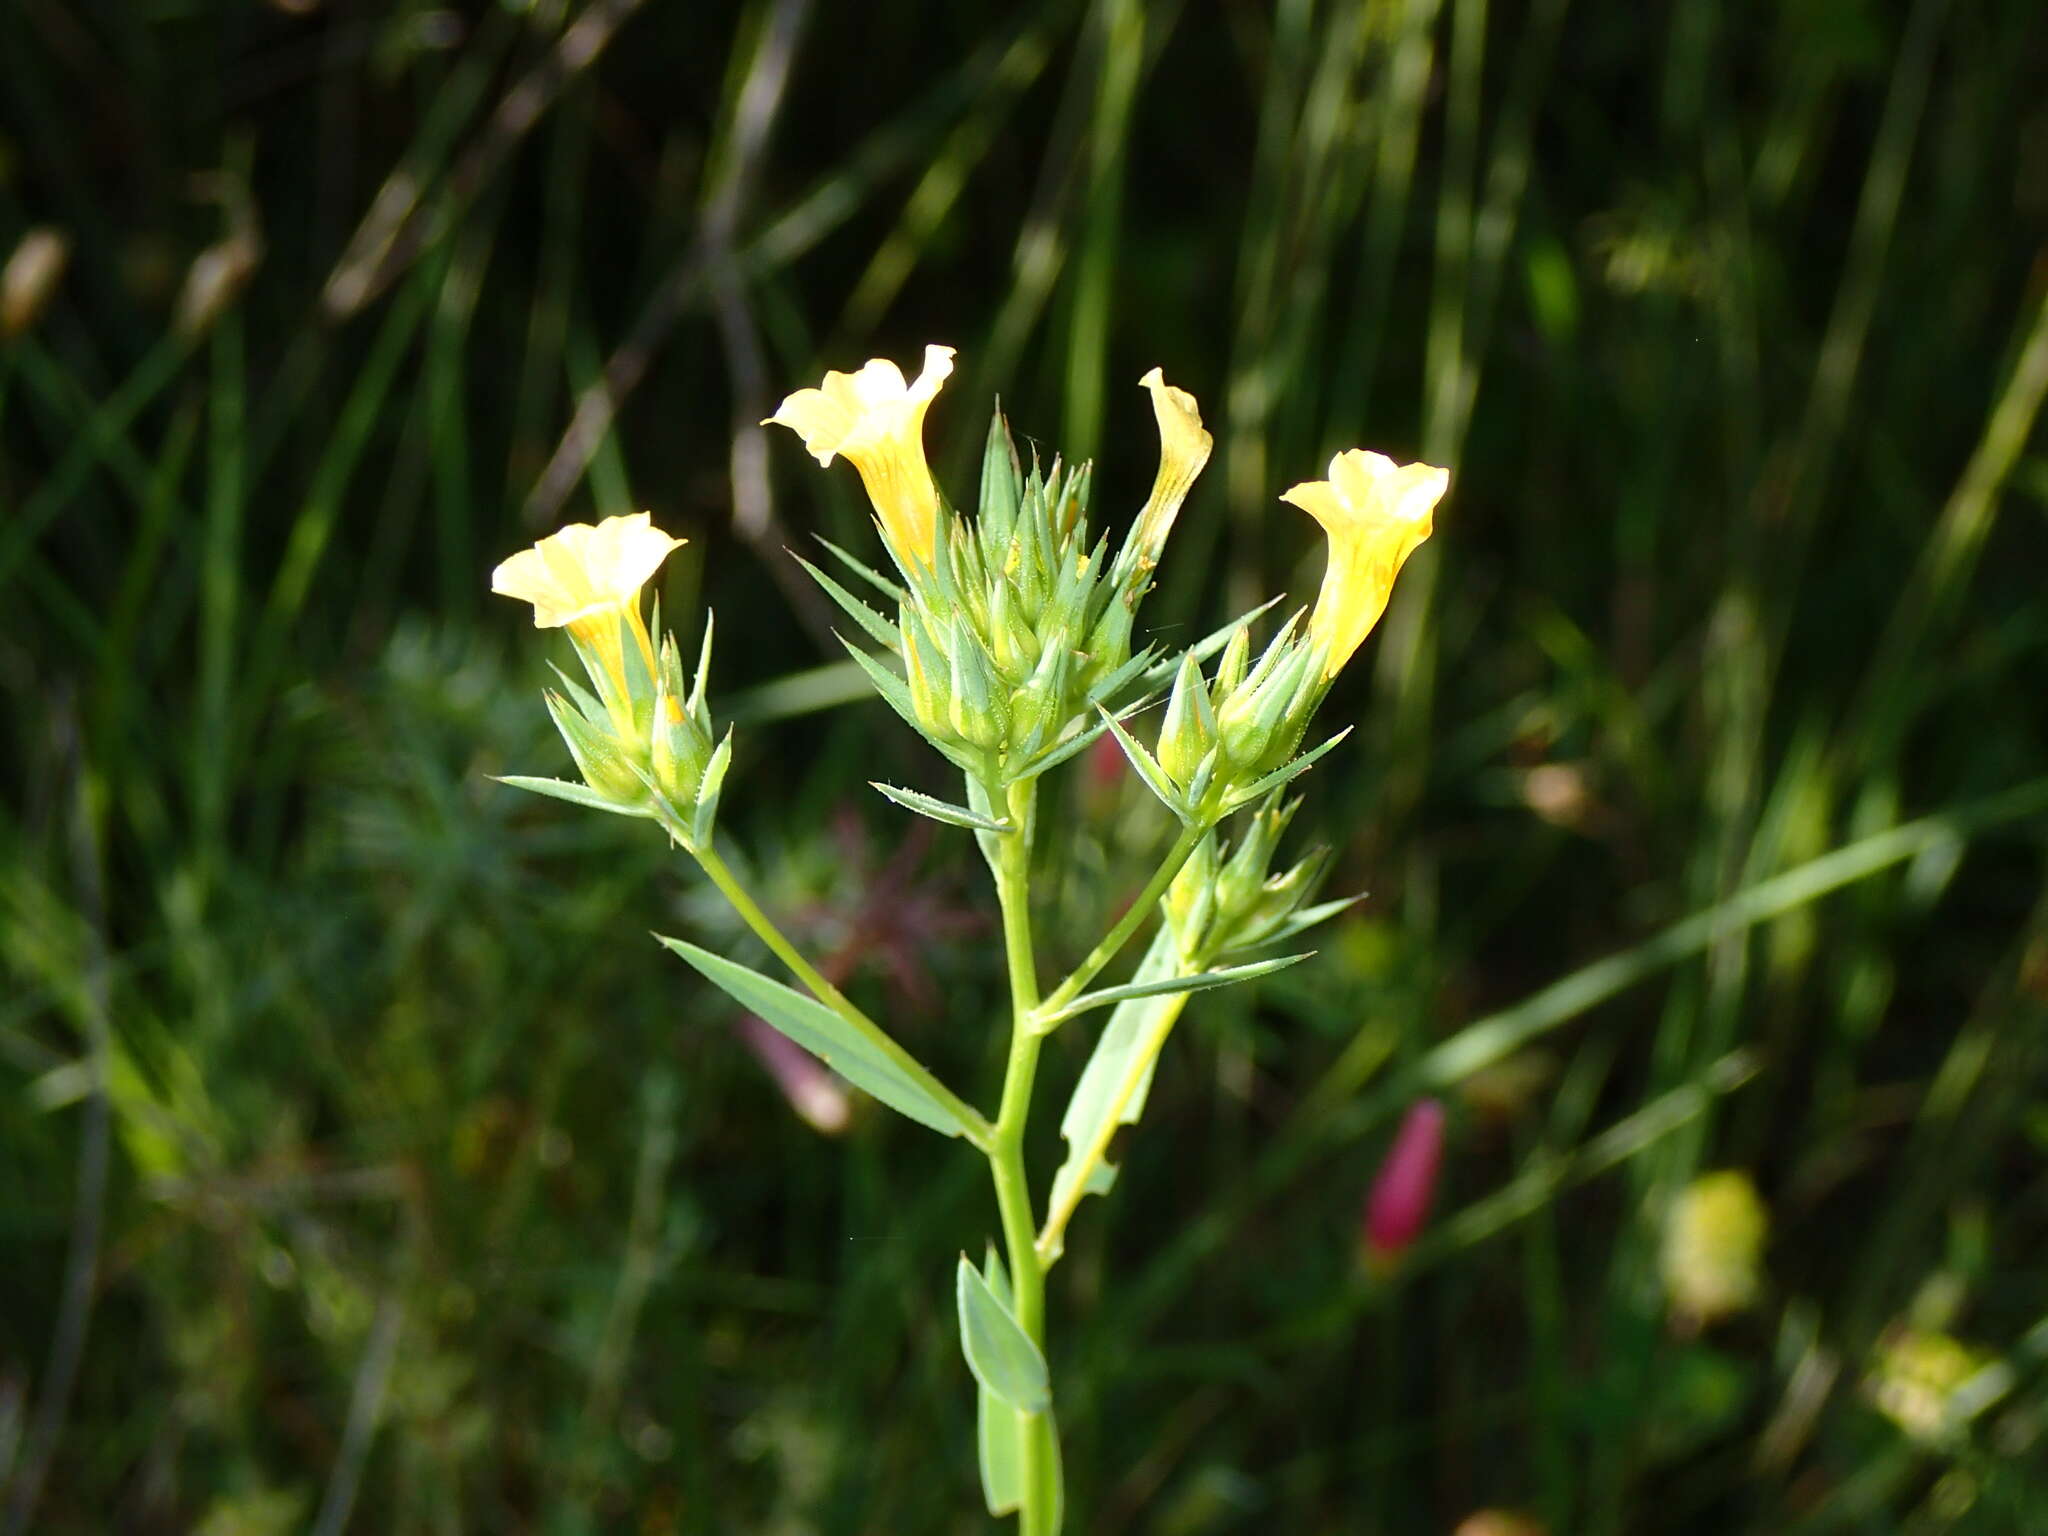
x=1406, y=1183
x=1236, y=657
x=1191, y=899
x=813, y=1090
x=679, y=750
x=603, y=761
x=978, y=714
x=1011, y=641
x=926, y=672
x=30, y=277
x=1039, y=706
x=1189, y=729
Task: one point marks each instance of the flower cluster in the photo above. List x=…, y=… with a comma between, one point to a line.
x=641, y=740
x=1014, y=631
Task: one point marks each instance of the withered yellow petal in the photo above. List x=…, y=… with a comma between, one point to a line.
x=1376, y=513
x=1183, y=450
x=876, y=419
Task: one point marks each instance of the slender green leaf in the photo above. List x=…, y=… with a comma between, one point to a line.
x=827, y=1036
x=1001, y=1354
x=999, y=1428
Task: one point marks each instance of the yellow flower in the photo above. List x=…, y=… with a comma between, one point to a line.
x=1376, y=513
x=587, y=579
x=1183, y=450
x=1713, y=1246
x=877, y=420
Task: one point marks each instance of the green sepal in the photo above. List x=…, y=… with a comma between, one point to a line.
x=827, y=1036
x=1200, y=981
x=938, y=810
x=999, y=1352
x=704, y=818
x=1002, y=482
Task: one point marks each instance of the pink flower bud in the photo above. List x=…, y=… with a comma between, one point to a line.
x=1405, y=1184
x=814, y=1091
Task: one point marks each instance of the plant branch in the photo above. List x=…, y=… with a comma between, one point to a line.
x=979, y=1131
x=1133, y=919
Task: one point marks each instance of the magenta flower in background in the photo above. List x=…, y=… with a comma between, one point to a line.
x=1405, y=1185
x=813, y=1089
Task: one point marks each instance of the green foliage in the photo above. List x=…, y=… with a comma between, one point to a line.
x=367, y=1169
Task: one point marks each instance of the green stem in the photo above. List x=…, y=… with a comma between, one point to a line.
x=979, y=1131
x=1133, y=919
x=1039, y=1513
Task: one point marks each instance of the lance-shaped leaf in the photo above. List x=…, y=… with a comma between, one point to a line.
x=999, y=1352
x=999, y=1428
x=1112, y=1091
x=939, y=810
x=832, y=1039
x=1166, y=986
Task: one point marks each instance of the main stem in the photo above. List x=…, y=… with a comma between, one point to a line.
x=1039, y=1514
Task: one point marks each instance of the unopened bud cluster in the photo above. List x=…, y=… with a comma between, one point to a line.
x=1226, y=899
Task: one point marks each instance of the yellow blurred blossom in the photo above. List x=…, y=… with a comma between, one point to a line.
x=1917, y=1380
x=1376, y=513
x=587, y=579
x=1713, y=1246
x=1183, y=450
x=877, y=420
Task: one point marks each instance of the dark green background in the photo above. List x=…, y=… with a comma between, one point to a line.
x=365, y=1164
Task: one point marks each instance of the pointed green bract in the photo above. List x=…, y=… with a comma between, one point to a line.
x=575, y=794
x=938, y=810
x=1199, y=981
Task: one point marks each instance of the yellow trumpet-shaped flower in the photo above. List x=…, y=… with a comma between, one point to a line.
x=1183, y=450
x=877, y=420
x=1376, y=513
x=587, y=579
